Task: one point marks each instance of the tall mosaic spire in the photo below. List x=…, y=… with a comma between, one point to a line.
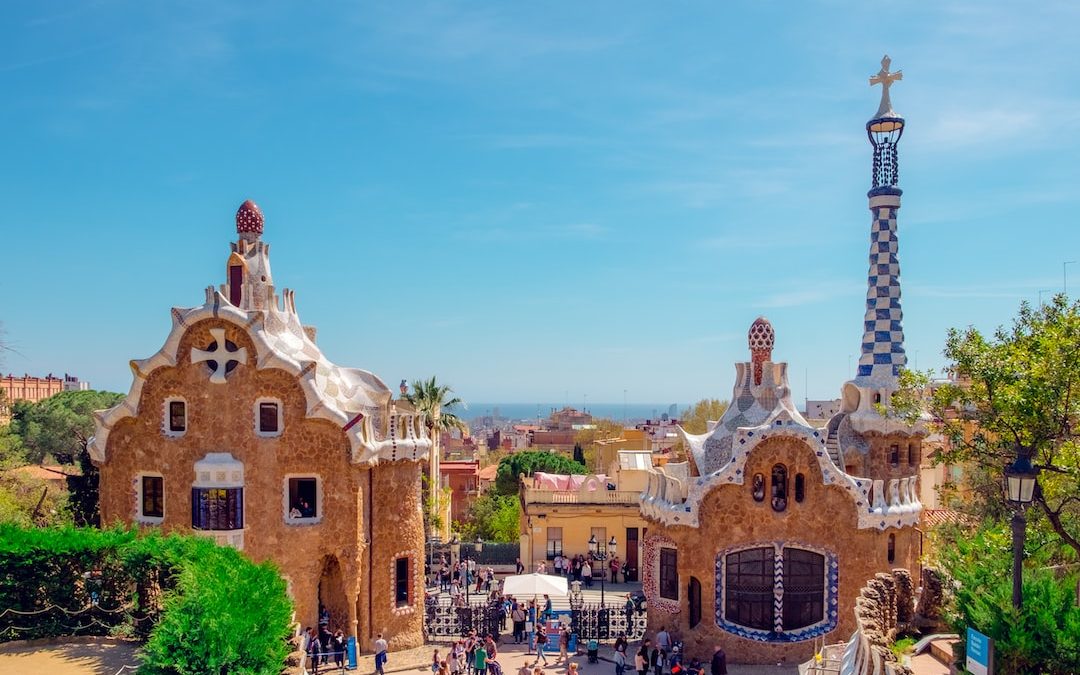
x=883, y=332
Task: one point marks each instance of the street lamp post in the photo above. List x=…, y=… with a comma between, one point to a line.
x=594, y=550
x=1020, y=480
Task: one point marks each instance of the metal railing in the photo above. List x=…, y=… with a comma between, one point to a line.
x=538, y=496
x=446, y=620
x=593, y=622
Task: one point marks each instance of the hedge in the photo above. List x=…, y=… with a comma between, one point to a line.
x=200, y=607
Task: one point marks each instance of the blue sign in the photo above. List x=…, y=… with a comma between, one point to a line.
x=980, y=653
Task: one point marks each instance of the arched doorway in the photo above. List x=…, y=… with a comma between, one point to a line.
x=331, y=594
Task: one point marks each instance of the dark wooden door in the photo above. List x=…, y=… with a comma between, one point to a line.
x=631, y=565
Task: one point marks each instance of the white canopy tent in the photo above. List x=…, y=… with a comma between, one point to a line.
x=523, y=585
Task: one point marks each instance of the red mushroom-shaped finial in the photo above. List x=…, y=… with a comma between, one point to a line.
x=761, y=338
x=249, y=219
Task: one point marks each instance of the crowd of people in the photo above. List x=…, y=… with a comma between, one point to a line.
x=581, y=567
x=456, y=579
x=325, y=644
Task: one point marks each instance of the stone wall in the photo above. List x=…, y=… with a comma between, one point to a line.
x=397, y=532
x=885, y=607
x=825, y=520
x=320, y=561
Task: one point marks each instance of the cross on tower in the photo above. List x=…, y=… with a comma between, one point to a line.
x=885, y=79
x=219, y=356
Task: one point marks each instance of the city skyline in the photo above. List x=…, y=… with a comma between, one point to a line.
x=531, y=204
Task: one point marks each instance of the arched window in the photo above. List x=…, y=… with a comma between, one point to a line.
x=694, y=596
x=748, y=590
x=877, y=398
x=892, y=548
x=800, y=487
x=894, y=455
x=912, y=457
x=758, y=488
x=779, y=488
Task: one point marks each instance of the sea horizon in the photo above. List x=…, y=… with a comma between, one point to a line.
x=532, y=411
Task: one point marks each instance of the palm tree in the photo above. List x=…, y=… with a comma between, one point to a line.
x=434, y=400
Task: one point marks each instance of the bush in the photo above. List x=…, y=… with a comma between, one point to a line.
x=1041, y=637
x=203, y=608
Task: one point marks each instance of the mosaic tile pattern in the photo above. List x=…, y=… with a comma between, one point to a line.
x=883, y=333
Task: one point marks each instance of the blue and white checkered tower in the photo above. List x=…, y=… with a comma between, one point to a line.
x=882, y=353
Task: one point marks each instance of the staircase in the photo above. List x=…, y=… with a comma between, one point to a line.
x=832, y=445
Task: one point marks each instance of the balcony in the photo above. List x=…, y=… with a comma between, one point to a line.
x=540, y=496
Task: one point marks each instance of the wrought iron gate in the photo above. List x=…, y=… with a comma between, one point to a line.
x=592, y=622
x=446, y=620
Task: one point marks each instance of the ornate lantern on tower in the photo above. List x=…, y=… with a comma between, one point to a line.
x=884, y=131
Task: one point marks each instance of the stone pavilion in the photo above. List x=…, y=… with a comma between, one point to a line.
x=240, y=428
x=762, y=541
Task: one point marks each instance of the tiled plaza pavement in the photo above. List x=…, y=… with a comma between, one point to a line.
x=512, y=657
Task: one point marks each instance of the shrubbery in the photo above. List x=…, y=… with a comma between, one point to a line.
x=203, y=608
x=1044, y=635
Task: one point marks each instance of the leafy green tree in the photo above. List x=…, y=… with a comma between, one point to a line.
x=1018, y=391
x=492, y=517
x=60, y=427
x=528, y=462
x=695, y=418
x=436, y=402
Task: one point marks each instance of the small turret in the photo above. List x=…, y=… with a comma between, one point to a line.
x=248, y=283
x=761, y=338
x=249, y=221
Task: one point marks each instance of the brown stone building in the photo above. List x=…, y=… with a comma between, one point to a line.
x=763, y=541
x=241, y=429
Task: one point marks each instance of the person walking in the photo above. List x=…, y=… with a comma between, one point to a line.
x=314, y=649
x=663, y=643
x=380, y=653
x=719, y=662
x=586, y=573
x=620, y=662
x=641, y=658
x=564, y=643
x=541, y=642
x=519, y=567
x=656, y=660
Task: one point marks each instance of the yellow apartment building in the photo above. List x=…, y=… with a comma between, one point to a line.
x=561, y=513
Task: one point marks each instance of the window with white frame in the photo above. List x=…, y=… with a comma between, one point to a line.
x=303, y=499
x=151, y=489
x=268, y=417
x=175, y=423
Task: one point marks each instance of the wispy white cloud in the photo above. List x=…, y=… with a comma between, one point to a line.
x=570, y=232
x=810, y=294
x=459, y=33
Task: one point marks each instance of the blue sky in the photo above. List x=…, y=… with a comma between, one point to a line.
x=531, y=201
